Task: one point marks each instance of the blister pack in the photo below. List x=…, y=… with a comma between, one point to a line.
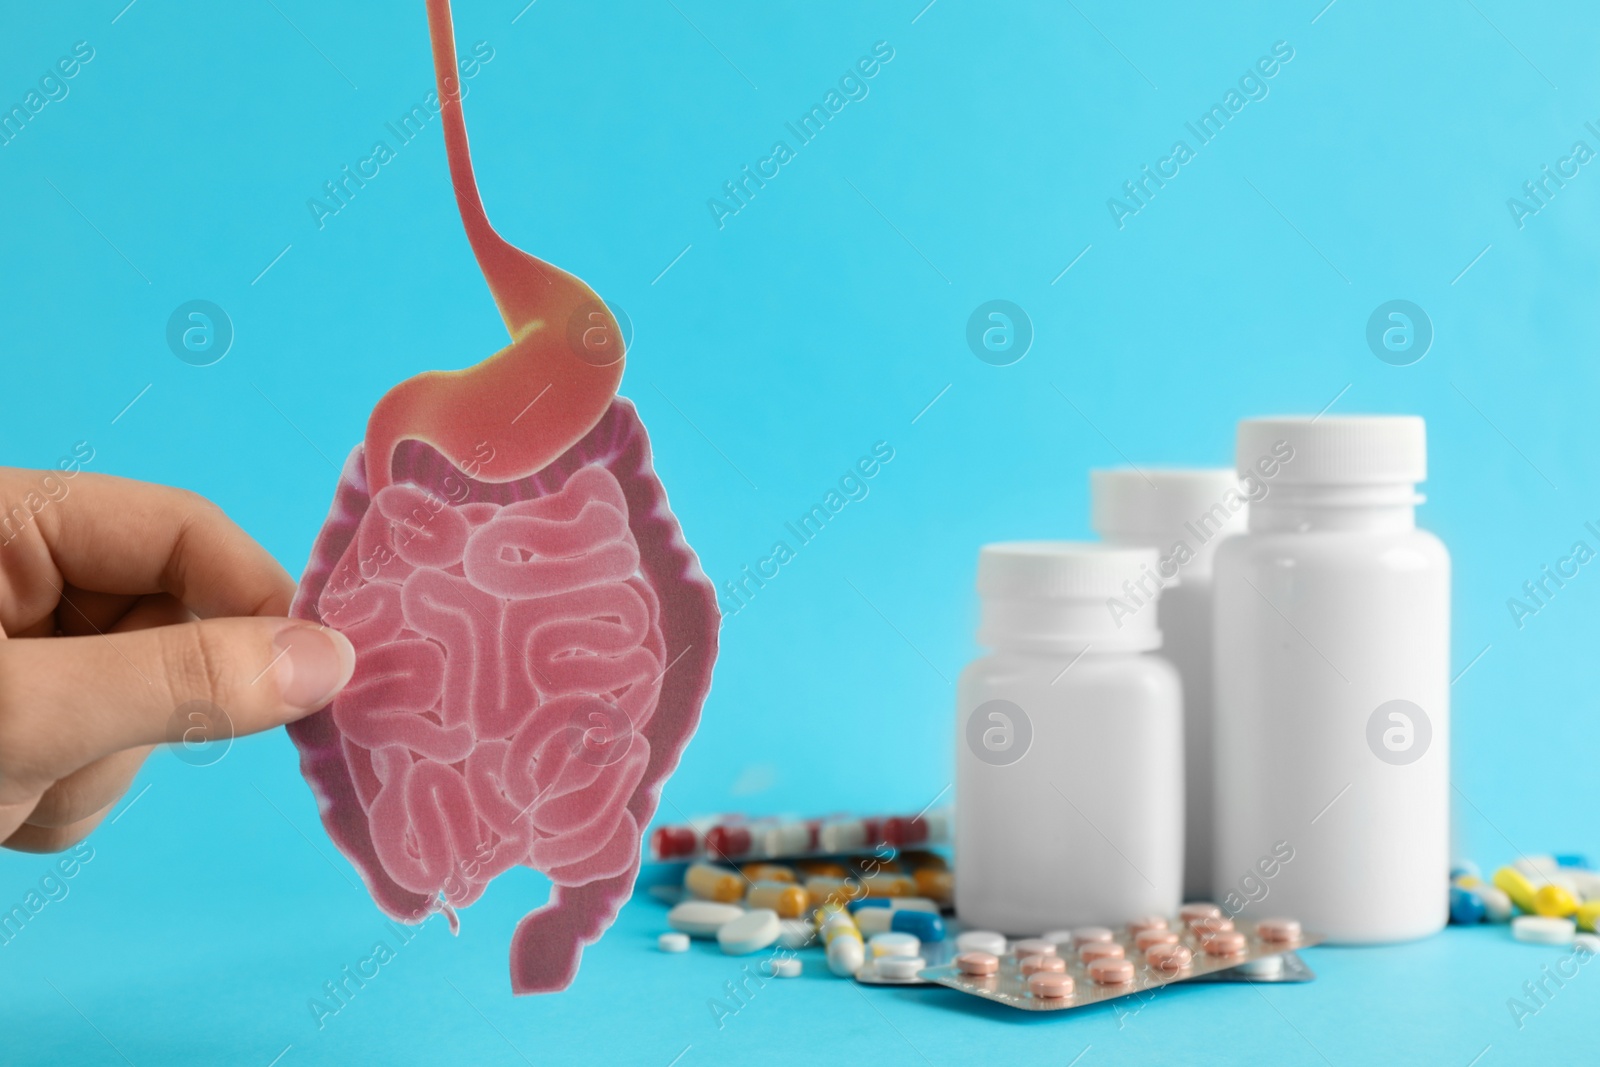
x=1076, y=968
x=1285, y=966
x=736, y=838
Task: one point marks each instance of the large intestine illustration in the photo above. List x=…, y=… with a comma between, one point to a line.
x=534, y=636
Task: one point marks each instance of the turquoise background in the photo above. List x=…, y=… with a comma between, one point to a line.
x=768, y=356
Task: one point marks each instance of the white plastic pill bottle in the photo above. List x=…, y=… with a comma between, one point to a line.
x=1184, y=515
x=1333, y=686
x=1069, y=746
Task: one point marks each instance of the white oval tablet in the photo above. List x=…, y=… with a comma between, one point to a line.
x=702, y=918
x=899, y=966
x=982, y=941
x=1060, y=937
x=673, y=942
x=750, y=932
x=789, y=967
x=1542, y=930
x=894, y=943
x=795, y=933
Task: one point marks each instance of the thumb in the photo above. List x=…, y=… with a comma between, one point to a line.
x=65, y=701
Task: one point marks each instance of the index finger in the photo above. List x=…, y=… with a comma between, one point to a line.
x=116, y=535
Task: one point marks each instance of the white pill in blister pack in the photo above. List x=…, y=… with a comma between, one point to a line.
x=845, y=835
x=1265, y=967
x=900, y=966
x=786, y=839
x=892, y=943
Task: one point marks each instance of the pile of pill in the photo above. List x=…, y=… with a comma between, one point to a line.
x=872, y=914
x=868, y=921
x=1546, y=899
x=794, y=890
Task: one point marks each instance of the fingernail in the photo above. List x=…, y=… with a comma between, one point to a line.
x=312, y=663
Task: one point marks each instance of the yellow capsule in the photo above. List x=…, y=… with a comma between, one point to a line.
x=825, y=890
x=768, y=872
x=1468, y=881
x=710, y=882
x=826, y=912
x=936, y=885
x=1517, y=887
x=889, y=885
x=1589, y=915
x=825, y=868
x=1553, y=901
x=789, y=901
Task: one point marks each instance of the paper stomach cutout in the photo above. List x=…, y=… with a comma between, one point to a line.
x=534, y=638
x=566, y=352
x=531, y=660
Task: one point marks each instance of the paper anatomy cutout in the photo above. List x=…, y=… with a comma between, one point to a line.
x=534, y=637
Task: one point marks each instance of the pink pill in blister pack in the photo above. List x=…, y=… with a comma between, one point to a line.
x=1046, y=986
x=1100, y=950
x=1144, y=939
x=1033, y=946
x=1198, y=910
x=1279, y=931
x=1169, y=958
x=1210, y=924
x=977, y=964
x=1040, y=962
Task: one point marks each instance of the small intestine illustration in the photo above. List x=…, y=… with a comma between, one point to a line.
x=534, y=636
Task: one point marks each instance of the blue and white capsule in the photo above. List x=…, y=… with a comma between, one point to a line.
x=922, y=925
x=895, y=904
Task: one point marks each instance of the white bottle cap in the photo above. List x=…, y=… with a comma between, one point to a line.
x=1057, y=596
x=1166, y=509
x=1338, y=450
